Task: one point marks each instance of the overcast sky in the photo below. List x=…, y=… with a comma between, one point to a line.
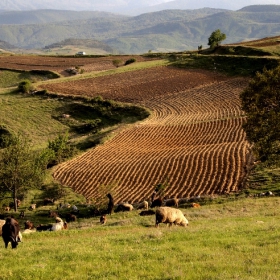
x=226, y=4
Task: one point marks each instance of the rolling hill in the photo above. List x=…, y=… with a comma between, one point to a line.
x=72, y=46
x=50, y=16
x=168, y=30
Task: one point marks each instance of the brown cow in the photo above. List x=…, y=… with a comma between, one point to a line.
x=69, y=217
x=28, y=225
x=11, y=232
x=103, y=219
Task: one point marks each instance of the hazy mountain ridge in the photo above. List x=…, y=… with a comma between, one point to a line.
x=50, y=16
x=116, y=6
x=89, y=43
x=6, y=46
x=173, y=30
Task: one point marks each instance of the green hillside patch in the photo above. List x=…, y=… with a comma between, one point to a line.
x=41, y=118
x=10, y=78
x=240, y=50
x=228, y=64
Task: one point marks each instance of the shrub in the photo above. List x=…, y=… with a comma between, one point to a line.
x=61, y=148
x=129, y=61
x=5, y=136
x=117, y=62
x=25, y=86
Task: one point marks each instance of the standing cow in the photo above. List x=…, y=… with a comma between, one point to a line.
x=11, y=232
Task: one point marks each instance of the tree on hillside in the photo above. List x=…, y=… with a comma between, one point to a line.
x=261, y=103
x=216, y=38
x=20, y=168
x=59, y=149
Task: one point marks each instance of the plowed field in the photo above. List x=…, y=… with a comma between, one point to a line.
x=194, y=136
x=60, y=64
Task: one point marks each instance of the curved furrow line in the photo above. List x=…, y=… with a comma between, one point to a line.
x=187, y=170
x=196, y=166
x=218, y=167
x=201, y=177
x=209, y=170
x=230, y=167
x=225, y=161
x=188, y=102
x=180, y=177
x=240, y=164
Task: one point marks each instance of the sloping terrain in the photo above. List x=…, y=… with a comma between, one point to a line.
x=193, y=137
x=170, y=30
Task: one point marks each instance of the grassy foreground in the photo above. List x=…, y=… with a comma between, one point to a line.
x=233, y=240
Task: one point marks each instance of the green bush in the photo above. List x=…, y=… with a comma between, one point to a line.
x=61, y=148
x=25, y=86
x=117, y=62
x=129, y=61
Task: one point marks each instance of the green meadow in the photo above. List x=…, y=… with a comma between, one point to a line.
x=238, y=239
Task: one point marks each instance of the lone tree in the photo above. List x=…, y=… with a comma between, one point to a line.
x=261, y=103
x=216, y=38
x=20, y=167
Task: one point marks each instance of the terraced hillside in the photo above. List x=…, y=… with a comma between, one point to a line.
x=193, y=137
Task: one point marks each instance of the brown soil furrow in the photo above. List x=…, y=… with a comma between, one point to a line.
x=220, y=168
x=201, y=178
x=201, y=103
x=192, y=136
x=207, y=174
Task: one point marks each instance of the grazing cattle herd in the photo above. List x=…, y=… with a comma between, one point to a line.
x=11, y=232
x=166, y=211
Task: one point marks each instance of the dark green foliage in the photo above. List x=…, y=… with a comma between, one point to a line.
x=233, y=65
x=238, y=50
x=117, y=62
x=88, y=116
x=89, y=127
x=129, y=61
x=54, y=191
x=61, y=148
x=25, y=86
x=20, y=168
x=261, y=103
x=5, y=135
x=216, y=38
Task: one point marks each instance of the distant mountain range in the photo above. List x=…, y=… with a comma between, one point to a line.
x=125, y=7
x=167, y=30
